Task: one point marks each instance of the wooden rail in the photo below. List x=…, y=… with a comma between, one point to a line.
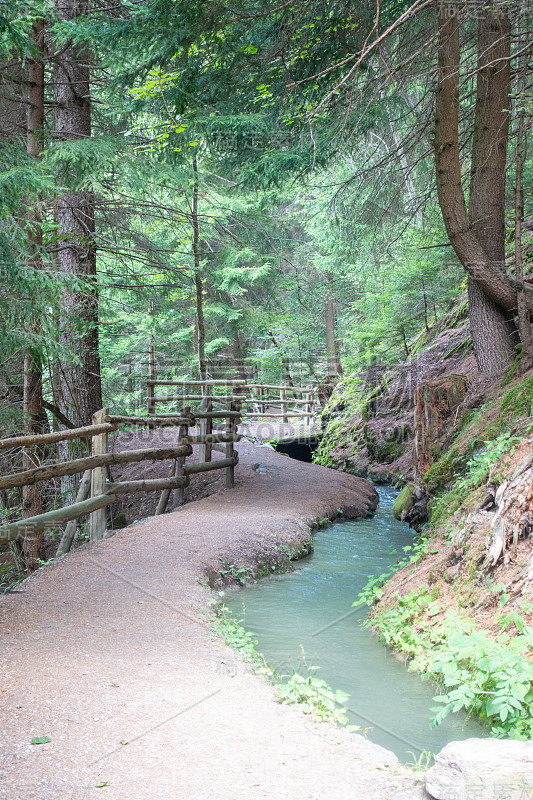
x=96, y=493
x=257, y=395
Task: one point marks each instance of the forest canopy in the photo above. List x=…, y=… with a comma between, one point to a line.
x=257, y=189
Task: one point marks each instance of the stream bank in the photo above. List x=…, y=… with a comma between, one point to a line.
x=463, y=449
x=104, y=653
x=305, y=623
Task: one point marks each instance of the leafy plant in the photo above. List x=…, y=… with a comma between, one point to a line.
x=241, y=574
x=492, y=678
x=314, y=696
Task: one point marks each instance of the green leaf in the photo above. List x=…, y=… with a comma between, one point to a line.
x=40, y=740
x=100, y=784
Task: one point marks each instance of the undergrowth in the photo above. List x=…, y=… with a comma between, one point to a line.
x=489, y=677
x=478, y=470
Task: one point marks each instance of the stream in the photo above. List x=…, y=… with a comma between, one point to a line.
x=304, y=620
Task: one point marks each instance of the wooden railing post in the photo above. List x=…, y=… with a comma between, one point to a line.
x=206, y=425
x=150, y=399
x=98, y=519
x=67, y=540
x=152, y=377
x=283, y=403
x=230, y=429
x=208, y=430
x=179, y=494
x=308, y=402
x=176, y=470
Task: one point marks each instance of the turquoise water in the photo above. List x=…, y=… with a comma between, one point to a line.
x=304, y=619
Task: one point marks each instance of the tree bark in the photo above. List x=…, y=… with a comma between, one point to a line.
x=334, y=365
x=238, y=355
x=33, y=545
x=489, y=292
x=524, y=316
x=80, y=381
x=198, y=283
x=492, y=328
x=284, y=361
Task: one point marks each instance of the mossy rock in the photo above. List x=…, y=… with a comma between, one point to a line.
x=404, y=501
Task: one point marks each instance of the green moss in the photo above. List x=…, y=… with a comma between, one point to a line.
x=443, y=471
x=518, y=401
x=404, y=501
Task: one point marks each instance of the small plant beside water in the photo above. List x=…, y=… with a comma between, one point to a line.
x=420, y=764
x=312, y=695
x=241, y=574
x=10, y=576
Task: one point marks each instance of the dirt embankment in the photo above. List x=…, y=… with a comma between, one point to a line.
x=480, y=541
x=368, y=424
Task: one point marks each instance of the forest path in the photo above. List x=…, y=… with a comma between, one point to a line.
x=104, y=653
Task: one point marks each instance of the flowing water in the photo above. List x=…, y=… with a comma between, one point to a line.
x=304, y=620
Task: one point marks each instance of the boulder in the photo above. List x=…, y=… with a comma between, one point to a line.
x=488, y=769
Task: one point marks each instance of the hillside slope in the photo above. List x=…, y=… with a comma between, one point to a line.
x=459, y=605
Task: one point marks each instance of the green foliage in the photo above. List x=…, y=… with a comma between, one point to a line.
x=314, y=696
x=489, y=677
x=476, y=473
x=518, y=402
x=40, y=740
x=241, y=574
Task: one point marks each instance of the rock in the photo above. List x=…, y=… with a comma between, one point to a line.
x=262, y=469
x=404, y=501
x=386, y=443
x=488, y=769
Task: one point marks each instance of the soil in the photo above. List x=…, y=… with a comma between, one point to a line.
x=105, y=653
x=456, y=570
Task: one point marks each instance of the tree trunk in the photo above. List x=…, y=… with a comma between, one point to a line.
x=33, y=544
x=238, y=355
x=81, y=391
x=488, y=290
x=284, y=361
x=492, y=327
x=198, y=283
x=334, y=365
x=524, y=316
x=492, y=333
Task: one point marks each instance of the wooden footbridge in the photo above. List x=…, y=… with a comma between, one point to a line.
x=216, y=404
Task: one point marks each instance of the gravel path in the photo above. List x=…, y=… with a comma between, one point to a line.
x=104, y=653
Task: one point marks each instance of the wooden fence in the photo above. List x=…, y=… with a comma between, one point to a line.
x=96, y=492
x=260, y=396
